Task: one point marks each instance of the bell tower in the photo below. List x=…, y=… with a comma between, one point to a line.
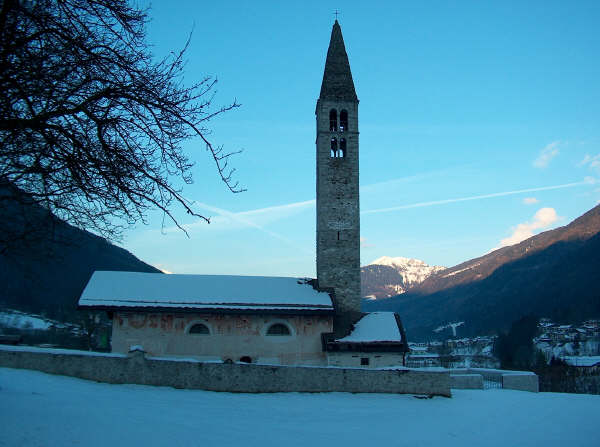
x=338, y=211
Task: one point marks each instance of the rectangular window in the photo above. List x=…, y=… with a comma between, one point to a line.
x=364, y=361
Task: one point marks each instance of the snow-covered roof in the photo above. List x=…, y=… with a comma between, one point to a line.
x=418, y=348
x=375, y=327
x=157, y=290
x=583, y=360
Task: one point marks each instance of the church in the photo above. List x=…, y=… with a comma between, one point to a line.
x=271, y=320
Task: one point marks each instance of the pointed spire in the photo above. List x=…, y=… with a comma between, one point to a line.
x=337, y=78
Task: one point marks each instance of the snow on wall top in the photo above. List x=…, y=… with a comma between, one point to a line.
x=133, y=289
x=375, y=327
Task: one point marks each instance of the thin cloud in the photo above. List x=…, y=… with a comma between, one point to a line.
x=592, y=161
x=272, y=213
x=543, y=219
x=386, y=185
x=247, y=219
x=479, y=197
x=223, y=219
x=530, y=200
x=546, y=155
x=261, y=216
x=227, y=220
x=364, y=243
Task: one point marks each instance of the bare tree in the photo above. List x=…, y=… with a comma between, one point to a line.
x=91, y=126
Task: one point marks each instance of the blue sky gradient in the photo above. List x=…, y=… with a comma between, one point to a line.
x=490, y=103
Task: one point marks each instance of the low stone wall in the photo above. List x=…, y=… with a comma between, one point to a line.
x=466, y=381
x=521, y=382
x=243, y=378
x=512, y=380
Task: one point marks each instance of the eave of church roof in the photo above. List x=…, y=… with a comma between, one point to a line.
x=337, y=78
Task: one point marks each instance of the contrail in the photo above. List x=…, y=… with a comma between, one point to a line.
x=465, y=199
x=243, y=216
x=239, y=218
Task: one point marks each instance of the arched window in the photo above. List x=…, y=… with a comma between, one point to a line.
x=342, y=151
x=343, y=121
x=334, y=147
x=199, y=329
x=278, y=329
x=333, y=120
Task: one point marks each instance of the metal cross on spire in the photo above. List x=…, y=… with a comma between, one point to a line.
x=336, y=14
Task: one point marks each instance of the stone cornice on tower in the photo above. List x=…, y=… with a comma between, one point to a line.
x=337, y=79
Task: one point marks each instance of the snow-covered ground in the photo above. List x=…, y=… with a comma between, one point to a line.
x=40, y=409
x=20, y=320
x=15, y=319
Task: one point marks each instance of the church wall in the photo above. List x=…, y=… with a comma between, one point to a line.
x=231, y=336
x=375, y=359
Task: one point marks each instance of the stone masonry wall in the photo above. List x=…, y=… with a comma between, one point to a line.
x=351, y=359
x=521, y=382
x=511, y=380
x=242, y=378
x=338, y=208
x=466, y=381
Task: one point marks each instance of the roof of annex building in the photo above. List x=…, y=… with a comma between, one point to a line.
x=373, y=332
x=146, y=291
x=375, y=327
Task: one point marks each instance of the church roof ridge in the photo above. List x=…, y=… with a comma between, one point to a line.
x=337, y=77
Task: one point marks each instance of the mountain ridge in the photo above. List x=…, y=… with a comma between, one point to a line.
x=551, y=274
x=583, y=227
x=47, y=273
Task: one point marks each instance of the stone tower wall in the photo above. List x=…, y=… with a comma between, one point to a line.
x=338, y=210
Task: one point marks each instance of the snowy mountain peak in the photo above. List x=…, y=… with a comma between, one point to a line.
x=398, y=262
x=388, y=276
x=413, y=271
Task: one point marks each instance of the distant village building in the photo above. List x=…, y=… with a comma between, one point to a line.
x=589, y=363
x=575, y=344
x=287, y=321
x=422, y=356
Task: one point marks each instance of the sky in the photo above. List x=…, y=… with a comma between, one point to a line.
x=479, y=127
